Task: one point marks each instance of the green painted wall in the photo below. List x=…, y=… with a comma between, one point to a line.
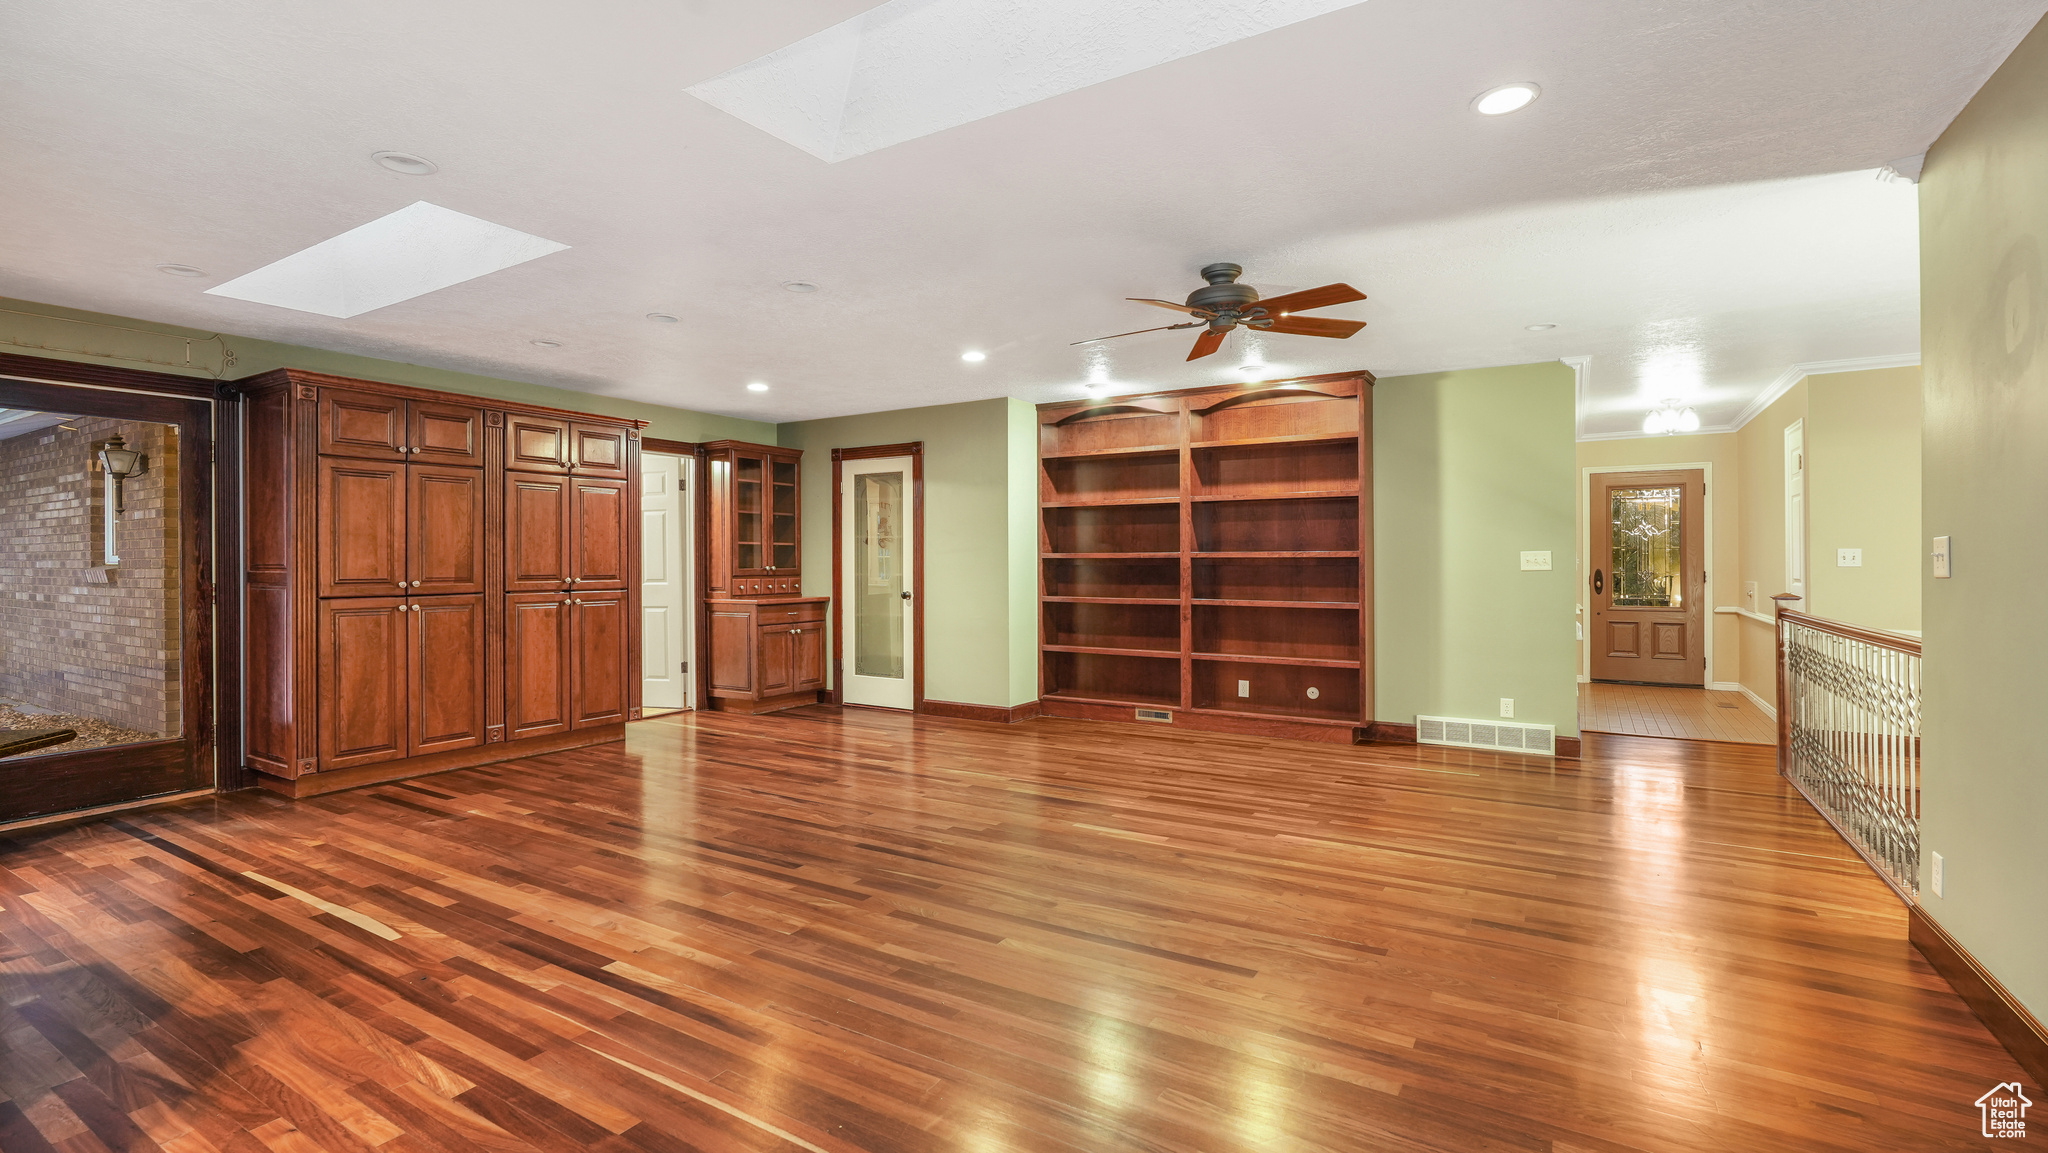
x=981, y=547
x=1863, y=491
x=1984, y=345
x=1470, y=469
x=48, y=330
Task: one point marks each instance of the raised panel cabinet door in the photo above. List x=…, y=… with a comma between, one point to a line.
x=446, y=433
x=446, y=642
x=361, y=528
x=732, y=651
x=446, y=522
x=536, y=532
x=597, y=532
x=597, y=450
x=362, y=424
x=808, y=669
x=777, y=660
x=536, y=443
x=597, y=659
x=536, y=665
x=362, y=681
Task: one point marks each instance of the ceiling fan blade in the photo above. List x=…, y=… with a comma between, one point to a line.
x=1207, y=343
x=1134, y=332
x=1309, y=298
x=1201, y=312
x=1314, y=326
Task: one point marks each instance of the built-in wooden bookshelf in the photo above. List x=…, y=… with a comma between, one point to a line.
x=1207, y=554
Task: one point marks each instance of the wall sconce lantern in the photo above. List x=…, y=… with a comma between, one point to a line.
x=118, y=462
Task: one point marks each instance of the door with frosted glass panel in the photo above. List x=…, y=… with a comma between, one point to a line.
x=1648, y=580
x=876, y=547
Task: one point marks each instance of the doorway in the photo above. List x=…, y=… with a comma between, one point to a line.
x=877, y=535
x=106, y=597
x=1648, y=581
x=667, y=546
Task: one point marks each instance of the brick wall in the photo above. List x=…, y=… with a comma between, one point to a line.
x=78, y=636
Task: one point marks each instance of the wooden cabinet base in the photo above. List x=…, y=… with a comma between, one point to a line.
x=750, y=707
x=334, y=780
x=1201, y=720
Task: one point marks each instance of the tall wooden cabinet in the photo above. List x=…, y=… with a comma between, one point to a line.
x=1206, y=558
x=767, y=640
x=433, y=581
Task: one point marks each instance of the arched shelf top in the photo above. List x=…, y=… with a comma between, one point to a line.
x=1269, y=394
x=1114, y=407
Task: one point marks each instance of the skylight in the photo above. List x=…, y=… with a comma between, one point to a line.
x=914, y=67
x=418, y=249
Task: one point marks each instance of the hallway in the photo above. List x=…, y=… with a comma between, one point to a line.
x=865, y=931
x=1671, y=711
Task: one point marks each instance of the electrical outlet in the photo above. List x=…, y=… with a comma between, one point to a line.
x=1848, y=558
x=1244, y=688
x=1536, y=561
x=1507, y=706
x=1934, y=877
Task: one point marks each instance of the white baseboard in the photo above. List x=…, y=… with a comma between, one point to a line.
x=1770, y=708
x=1584, y=679
x=1725, y=686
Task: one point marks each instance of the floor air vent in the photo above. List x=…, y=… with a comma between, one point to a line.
x=1159, y=715
x=1503, y=735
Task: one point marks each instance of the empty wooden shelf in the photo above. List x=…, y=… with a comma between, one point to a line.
x=1206, y=557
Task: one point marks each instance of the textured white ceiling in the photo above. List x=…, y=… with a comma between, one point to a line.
x=1691, y=193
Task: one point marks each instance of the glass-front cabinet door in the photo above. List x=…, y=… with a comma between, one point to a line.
x=782, y=505
x=749, y=553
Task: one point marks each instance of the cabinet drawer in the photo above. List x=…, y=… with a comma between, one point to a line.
x=790, y=614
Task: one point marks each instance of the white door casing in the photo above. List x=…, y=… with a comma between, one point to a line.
x=877, y=528
x=665, y=607
x=1795, y=511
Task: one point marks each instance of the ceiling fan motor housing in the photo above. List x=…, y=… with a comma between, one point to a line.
x=1223, y=293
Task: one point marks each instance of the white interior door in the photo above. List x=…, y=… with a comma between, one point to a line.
x=664, y=581
x=876, y=538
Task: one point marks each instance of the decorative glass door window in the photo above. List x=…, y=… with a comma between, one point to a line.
x=878, y=561
x=1649, y=550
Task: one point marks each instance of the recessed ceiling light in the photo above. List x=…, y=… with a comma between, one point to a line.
x=799, y=286
x=180, y=270
x=662, y=318
x=1505, y=99
x=757, y=386
x=1539, y=327
x=406, y=163
x=974, y=357
x=547, y=343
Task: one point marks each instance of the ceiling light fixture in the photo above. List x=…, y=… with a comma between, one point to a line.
x=1505, y=99
x=662, y=318
x=1671, y=419
x=544, y=343
x=406, y=163
x=757, y=386
x=1539, y=327
x=799, y=286
x=974, y=356
x=180, y=270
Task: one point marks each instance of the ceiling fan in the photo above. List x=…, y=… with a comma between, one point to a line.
x=1224, y=304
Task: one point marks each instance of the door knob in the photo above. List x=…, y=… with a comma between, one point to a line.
x=906, y=596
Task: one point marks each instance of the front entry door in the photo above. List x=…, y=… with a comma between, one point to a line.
x=876, y=581
x=1648, y=578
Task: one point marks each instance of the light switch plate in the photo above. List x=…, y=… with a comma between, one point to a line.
x=1244, y=688
x=1941, y=561
x=1536, y=561
x=1848, y=558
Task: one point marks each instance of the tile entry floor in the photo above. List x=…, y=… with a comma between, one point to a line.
x=1669, y=711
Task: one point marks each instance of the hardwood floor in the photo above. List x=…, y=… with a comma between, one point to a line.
x=1668, y=711
x=863, y=931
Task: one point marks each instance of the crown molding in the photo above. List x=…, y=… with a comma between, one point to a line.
x=1755, y=408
